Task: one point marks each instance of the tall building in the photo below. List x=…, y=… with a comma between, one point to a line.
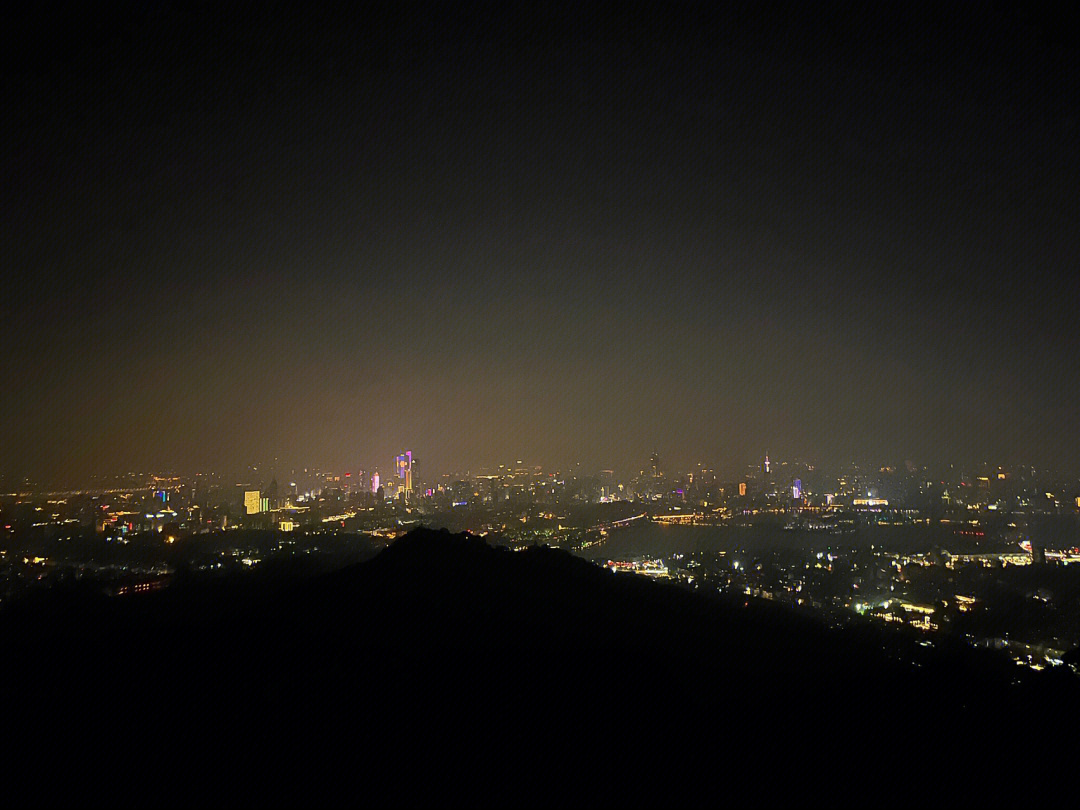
x=403, y=465
x=607, y=483
x=252, y=502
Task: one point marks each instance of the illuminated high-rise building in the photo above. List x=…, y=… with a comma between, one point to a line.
x=403, y=466
x=375, y=482
x=607, y=483
x=252, y=502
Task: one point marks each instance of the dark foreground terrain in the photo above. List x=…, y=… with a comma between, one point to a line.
x=449, y=672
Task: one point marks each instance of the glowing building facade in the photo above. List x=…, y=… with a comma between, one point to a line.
x=403, y=465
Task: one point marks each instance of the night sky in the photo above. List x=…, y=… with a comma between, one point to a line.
x=567, y=237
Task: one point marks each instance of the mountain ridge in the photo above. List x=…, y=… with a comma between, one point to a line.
x=500, y=677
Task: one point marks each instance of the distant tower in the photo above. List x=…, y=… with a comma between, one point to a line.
x=375, y=482
x=403, y=465
x=796, y=489
x=654, y=461
x=766, y=463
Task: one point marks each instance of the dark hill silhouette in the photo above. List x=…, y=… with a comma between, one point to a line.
x=448, y=671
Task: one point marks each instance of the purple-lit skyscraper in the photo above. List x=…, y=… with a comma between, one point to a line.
x=403, y=465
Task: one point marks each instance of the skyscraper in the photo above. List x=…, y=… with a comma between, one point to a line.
x=403, y=465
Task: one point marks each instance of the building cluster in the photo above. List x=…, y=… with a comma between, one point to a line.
x=807, y=496
x=1029, y=610
x=926, y=548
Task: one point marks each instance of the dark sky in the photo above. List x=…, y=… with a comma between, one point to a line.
x=572, y=236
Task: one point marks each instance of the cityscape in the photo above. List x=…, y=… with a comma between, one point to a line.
x=546, y=405
x=986, y=554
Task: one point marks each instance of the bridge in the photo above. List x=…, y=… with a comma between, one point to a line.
x=682, y=518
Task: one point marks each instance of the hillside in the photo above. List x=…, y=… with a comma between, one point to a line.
x=449, y=671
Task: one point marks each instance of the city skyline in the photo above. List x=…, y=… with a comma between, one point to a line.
x=539, y=405
x=398, y=473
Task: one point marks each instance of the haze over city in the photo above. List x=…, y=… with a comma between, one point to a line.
x=236, y=235
x=539, y=405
